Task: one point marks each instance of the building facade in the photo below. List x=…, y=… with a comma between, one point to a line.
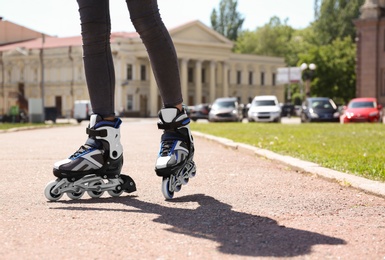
x=371, y=51
x=52, y=67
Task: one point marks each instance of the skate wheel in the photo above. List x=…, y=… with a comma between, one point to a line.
x=48, y=191
x=118, y=191
x=192, y=174
x=166, y=189
x=75, y=195
x=95, y=194
x=115, y=193
x=193, y=171
x=185, y=181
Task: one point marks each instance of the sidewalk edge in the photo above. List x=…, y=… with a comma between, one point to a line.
x=366, y=185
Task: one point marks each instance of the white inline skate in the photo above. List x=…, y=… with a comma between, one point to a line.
x=95, y=167
x=175, y=159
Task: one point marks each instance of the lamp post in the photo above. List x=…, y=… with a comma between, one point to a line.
x=308, y=74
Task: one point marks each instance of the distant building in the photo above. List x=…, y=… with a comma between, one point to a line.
x=208, y=68
x=371, y=50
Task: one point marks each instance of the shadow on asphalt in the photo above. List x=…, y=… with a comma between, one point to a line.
x=237, y=233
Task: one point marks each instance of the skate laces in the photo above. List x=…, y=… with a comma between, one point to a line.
x=166, y=147
x=84, y=148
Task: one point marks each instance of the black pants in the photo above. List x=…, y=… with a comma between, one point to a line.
x=98, y=63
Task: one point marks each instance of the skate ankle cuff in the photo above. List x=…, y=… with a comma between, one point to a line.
x=173, y=136
x=96, y=133
x=173, y=125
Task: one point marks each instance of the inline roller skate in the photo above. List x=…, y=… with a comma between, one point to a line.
x=175, y=159
x=95, y=167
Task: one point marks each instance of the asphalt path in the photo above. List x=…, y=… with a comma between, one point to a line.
x=238, y=206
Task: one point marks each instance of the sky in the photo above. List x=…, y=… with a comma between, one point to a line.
x=61, y=18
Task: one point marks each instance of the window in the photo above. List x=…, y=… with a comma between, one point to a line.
x=239, y=77
x=250, y=78
x=143, y=72
x=129, y=72
x=273, y=78
x=190, y=75
x=129, y=102
x=203, y=75
x=262, y=78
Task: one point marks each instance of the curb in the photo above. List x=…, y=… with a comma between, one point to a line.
x=360, y=183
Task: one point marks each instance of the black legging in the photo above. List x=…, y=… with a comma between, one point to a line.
x=98, y=63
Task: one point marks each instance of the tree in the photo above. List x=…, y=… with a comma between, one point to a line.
x=335, y=74
x=227, y=20
x=334, y=19
x=270, y=40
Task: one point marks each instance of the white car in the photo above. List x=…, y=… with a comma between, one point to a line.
x=82, y=110
x=264, y=109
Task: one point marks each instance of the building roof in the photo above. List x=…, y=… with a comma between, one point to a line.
x=13, y=33
x=188, y=31
x=56, y=42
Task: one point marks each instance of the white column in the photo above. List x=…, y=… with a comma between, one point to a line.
x=198, y=82
x=118, y=84
x=153, y=94
x=212, y=81
x=225, y=80
x=184, y=80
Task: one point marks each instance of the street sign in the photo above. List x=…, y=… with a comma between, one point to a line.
x=289, y=75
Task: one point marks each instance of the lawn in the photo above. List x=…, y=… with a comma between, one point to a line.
x=6, y=126
x=352, y=148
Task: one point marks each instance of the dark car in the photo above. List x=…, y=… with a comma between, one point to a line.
x=288, y=110
x=200, y=111
x=319, y=109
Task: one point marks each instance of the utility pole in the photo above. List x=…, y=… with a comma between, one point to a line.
x=42, y=74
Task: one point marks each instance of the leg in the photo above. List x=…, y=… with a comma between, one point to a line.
x=98, y=63
x=98, y=150
x=175, y=159
x=148, y=23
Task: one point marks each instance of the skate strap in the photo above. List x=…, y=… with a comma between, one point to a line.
x=94, y=133
x=173, y=125
x=173, y=136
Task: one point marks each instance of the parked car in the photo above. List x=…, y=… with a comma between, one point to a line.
x=319, y=109
x=225, y=110
x=200, y=111
x=82, y=110
x=362, y=110
x=287, y=110
x=264, y=109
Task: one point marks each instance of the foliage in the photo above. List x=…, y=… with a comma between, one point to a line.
x=329, y=42
x=227, y=20
x=352, y=148
x=334, y=19
x=269, y=40
x=335, y=73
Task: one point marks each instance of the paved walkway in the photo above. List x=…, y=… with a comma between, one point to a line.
x=239, y=206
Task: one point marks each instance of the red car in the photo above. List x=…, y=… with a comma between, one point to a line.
x=362, y=110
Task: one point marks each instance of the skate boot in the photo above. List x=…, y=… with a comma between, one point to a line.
x=95, y=167
x=175, y=159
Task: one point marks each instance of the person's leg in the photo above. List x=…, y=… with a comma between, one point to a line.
x=146, y=19
x=102, y=150
x=177, y=147
x=98, y=63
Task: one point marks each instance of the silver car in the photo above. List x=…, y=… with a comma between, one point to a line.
x=225, y=110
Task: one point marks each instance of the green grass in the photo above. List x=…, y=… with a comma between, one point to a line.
x=6, y=126
x=352, y=148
